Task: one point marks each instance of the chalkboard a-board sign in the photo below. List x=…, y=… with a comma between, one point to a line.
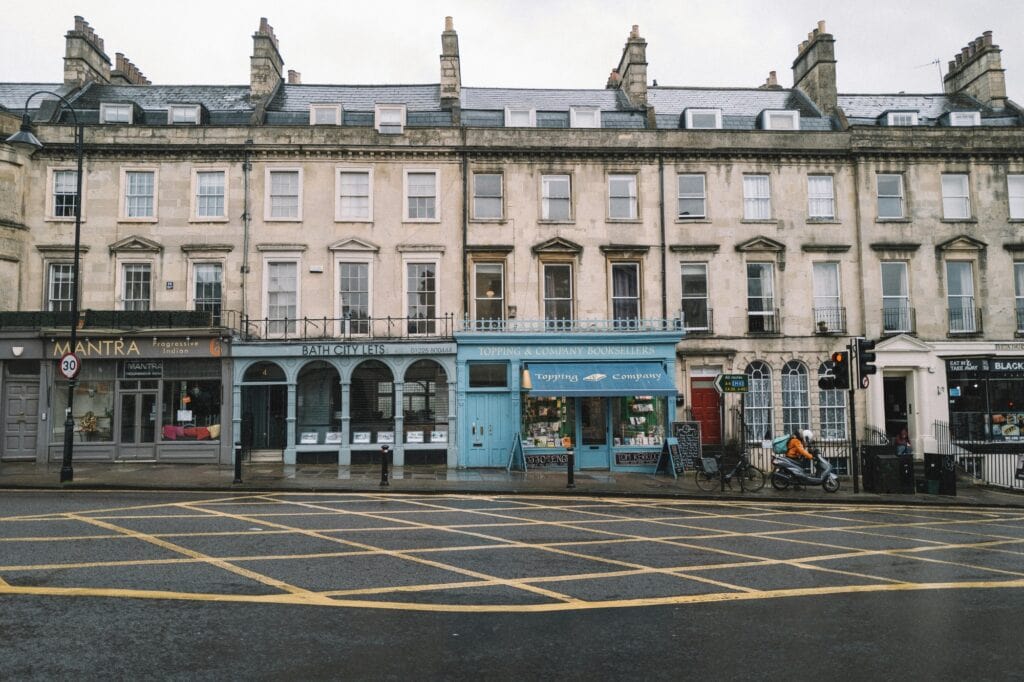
x=671, y=459
x=688, y=435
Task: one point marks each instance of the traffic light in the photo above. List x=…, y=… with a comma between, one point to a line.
x=841, y=369
x=864, y=359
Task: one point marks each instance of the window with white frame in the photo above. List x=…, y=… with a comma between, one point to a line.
x=389, y=119
x=208, y=289
x=421, y=195
x=956, y=200
x=901, y=118
x=421, y=297
x=489, y=291
x=960, y=296
x=558, y=300
x=60, y=287
x=964, y=118
x=625, y=294
x=828, y=314
x=136, y=286
x=282, y=300
x=821, y=200
x=831, y=410
x=890, y=196
x=186, y=114
x=761, y=297
x=757, y=201
x=354, y=295
x=516, y=117
x=324, y=114
x=139, y=194
x=1018, y=291
x=622, y=196
x=210, y=198
x=65, y=193
x=487, y=196
x=796, y=407
x=703, y=119
x=584, y=117
x=556, y=196
x=694, y=303
x=895, y=298
x=355, y=193
x=692, y=195
x=115, y=113
x=284, y=200
x=759, y=406
x=781, y=120
x=1015, y=192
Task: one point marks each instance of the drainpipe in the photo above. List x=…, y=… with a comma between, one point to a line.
x=246, y=218
x=664, y=237
x=465, y=228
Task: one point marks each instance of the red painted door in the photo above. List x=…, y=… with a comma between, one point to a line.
x=704, y=407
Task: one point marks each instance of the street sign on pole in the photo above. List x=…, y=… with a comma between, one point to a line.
x=70, y=365
x=731, y=383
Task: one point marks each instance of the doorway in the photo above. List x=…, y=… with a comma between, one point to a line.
x=137, y=419
x=593, y=448
x=264, y=431
x=20, y=410
x=491, y=429
x=894, y=390
x=705, y=408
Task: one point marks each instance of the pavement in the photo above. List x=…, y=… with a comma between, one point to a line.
x=441, y=480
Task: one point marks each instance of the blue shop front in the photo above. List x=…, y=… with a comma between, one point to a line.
x=609, y=395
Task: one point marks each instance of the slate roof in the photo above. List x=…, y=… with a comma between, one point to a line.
x=13, y=95
x=297, y=98
x=543, y=99
x=212, y=97
x=866, y=109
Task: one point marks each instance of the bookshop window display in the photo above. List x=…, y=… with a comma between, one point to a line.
x=638, y=420
x=635, y=420
x=546, y=421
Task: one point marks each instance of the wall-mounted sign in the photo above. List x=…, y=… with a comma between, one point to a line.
x=143, y=369
x=138, y=347
x=385, y=436
x=361, y=437
x=414, y=437
x=309, y=438
x=438, y=436
x=332, y=437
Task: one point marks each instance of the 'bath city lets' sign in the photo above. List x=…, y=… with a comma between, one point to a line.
x=311, y=350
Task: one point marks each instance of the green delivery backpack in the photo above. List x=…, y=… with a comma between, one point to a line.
x=780, y=445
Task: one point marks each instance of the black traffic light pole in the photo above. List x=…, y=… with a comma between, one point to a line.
x=854, y=380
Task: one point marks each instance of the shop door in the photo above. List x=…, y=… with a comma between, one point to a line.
x=20, y=420
x=592, y=451
x=704, y=406
x=138, y=425
x=491, y=429
x=264, y=409
x=894, y=392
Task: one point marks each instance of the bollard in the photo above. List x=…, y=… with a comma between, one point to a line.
x=384, y=466
x=571, y=468
x=238, y=463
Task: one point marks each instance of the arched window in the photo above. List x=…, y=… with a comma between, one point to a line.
x=318, y=405
x=832, y=409
x=425, y=398
x=796, y=407
x=758, y=417
x=263, y=371
x=372, y=404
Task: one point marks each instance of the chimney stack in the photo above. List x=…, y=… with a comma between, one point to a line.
x=84, y=58
x=632, y=70
x=814, y=70
x=451, y=71
x=771, y=82
x=978, y=71
x=294, y=77
x=266, y=65
x=126, y=73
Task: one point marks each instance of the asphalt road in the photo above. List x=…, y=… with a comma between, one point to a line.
x=314, y=586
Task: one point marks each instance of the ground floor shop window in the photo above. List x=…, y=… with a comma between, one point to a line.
x=638, y=420
x=425, y=403
x=372, y=409
x=318, y=405
x=546, y=421
x=986, y=399
x=93, y=412
x=192, y=409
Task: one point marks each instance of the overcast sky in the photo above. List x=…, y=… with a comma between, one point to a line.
x=880, y=47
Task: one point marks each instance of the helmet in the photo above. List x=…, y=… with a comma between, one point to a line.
x=807, y=435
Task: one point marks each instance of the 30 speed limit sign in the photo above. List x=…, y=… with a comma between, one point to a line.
x=69, y=365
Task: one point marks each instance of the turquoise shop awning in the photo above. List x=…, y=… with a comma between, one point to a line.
x=599, y=379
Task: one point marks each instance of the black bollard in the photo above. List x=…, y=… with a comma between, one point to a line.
x=384, y=466
x=238, y=463
x=571, y=468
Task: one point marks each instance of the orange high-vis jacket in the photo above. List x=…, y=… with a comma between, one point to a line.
x=795, y=449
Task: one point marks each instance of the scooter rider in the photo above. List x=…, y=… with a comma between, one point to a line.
x=795, y=448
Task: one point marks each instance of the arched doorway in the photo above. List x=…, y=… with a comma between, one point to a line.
x=264, y=411
x=425, y=413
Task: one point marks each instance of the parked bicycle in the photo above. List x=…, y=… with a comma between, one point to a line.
x=711, y=475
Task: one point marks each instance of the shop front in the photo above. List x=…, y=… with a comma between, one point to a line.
x=986, y=399
x=141, y=398
x=609, y=396
x=341, y=402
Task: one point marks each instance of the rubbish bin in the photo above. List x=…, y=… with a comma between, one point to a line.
x=940, y=474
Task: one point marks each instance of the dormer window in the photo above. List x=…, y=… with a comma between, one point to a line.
x=964, y=118
x=115, y=113
x=389, y=119
x=185, y=114
x=780, y=119
x=324, y=114
x=703, y=119
x=584, y=117
x=516, y=117
x=901, y=118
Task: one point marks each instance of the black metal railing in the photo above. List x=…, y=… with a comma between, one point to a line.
x=830, y=320
x=305, y=328
x=966, y=320
x=763, y=321
x=107, y=319
x=571, y=326
x=997, y=461
x=899, y=320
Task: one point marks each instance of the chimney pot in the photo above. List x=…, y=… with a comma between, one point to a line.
x=635, y=33
x=821, y=26
x=449, y=25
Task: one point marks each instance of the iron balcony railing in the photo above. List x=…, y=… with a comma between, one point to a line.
x=303, y=328
x=830, y=320
x=572, y=326
x=763, y=321
x=899, y=320
x=107, y=319
x=965, y=320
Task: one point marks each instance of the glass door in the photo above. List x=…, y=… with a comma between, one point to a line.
x=592, y=451
x=137, y=423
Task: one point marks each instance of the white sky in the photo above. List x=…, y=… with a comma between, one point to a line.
x=880, y=46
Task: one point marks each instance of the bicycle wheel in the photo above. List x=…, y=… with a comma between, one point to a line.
x=706, y=482
x=752, y=479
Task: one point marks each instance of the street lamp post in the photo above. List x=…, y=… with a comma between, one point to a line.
x=25, y=139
